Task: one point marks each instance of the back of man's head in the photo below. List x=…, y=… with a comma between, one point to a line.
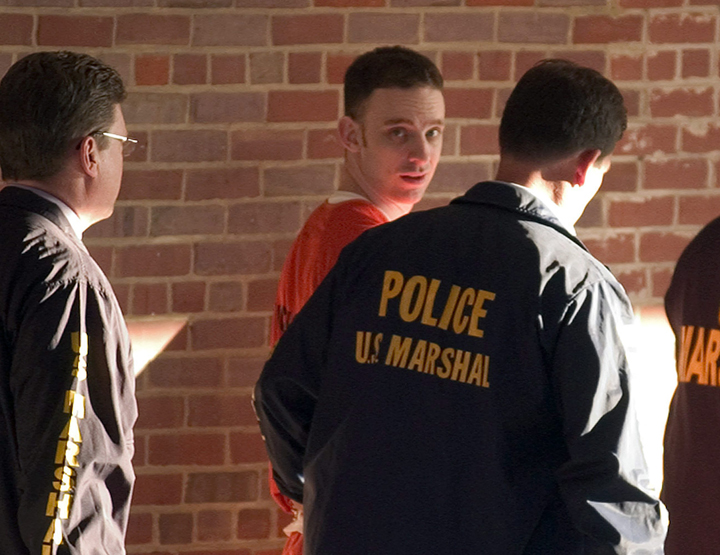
x=47, y=101
x=384, y=68
x=559, y=109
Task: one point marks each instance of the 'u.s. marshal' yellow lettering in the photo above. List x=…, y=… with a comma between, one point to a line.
x=415, y=298
x=699, y=353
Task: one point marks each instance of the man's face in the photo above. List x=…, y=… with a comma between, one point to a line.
x=400, y=140
x=111, y=167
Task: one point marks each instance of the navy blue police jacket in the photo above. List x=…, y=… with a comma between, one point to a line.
x=458, y=385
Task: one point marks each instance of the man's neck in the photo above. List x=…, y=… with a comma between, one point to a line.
x=392, y=210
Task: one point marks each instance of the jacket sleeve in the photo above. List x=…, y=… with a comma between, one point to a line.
x=287, y=390
x=604, y=483
x=72, y=387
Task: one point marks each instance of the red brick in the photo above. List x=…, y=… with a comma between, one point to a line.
x=17, y=29
x=152, y=107
x=288, y=106
x=417, y=3
x=195, y=372
x=151, y=69
x=201, y=145
x=695, y=63
x=230, y=30
x=226, y=296
x=122, y=292
x=228, y=333
x=149, y=299
x=661, y=66
x=151, y=185
x=307, y=29
x=525, y=59
x=650, y=3
x=458, y=66
x=479, y=139
x=631, y=99
x=213, y=526
x=126, y=221
x=533, y=27
x=61, y=30
x=336, y=66
x=641, y=212
x=592, y=216
x=143, y=28
x=304, y=180
x=140, y=456
x=261, y=294
x=683, y=173
x=247, y=447
x=280, y=250
x=468, y=103
x=350, y=3
x=214, y=107
x=266, y=144
x=660, y=281
x=188, y=296
x=157, y=489
x=395, y=28
x=141, y=148
x=494, y=65
x=244, y=372
x=221, y=411
x=140, y=527
x=324, y=143
x=189, y=69
x=701, y=138
x=304, y=67
x=222, y=487
x=253, y=524
x=613, y=249
x=232, y=258
x=187, y=220
x=662, y=247
x=227, y=69
x=222, y=183
x=187, y=449
x=458, y=177
x=634, y=281
x=179, y=343
x=680, y=28
x=175, y=528
x=6, y=60
x=275, y=217
x=153, y=260
x=648, y=139
x=698, y=210
x=622, y=177
x=459, y=27
x=602, y=29
x=267, y=67
x=594, y=59
x=626, y=68
x=160, y=412
x=499, y=2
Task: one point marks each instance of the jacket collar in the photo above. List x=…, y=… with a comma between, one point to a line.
x=27, y=200
x=516, y=199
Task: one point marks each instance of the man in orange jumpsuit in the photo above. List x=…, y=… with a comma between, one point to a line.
x=392, y=132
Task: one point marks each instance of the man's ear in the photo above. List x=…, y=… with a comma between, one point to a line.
x=350, y=133
x=88, y=156
x=585, y=160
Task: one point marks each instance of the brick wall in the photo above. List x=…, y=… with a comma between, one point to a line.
x=235, y=102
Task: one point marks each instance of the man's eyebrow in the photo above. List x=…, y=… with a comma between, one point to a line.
x=410, y=122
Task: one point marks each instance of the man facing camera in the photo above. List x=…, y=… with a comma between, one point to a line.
x=67, y=403
x=458, y=383
x=392, y=134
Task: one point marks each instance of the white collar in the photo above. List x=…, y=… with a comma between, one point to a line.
x=69, y=213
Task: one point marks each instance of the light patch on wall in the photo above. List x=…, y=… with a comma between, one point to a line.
x=652, y=359
x=150, y=337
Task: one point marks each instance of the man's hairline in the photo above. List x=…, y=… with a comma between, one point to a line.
x=363, y=103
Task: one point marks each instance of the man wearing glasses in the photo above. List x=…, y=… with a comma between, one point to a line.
x=67, y=402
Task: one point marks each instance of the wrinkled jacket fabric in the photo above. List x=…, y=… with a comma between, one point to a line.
x=67, y=401
x=458, y=385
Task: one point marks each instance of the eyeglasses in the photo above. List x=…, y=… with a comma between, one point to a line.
x=128, y=143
